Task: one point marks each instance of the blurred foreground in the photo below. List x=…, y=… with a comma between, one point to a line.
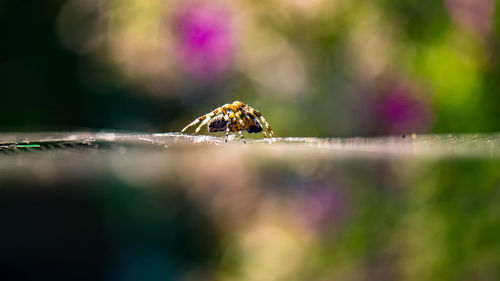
x=112, y=206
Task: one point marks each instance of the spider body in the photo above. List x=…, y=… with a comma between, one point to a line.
x=218, y=124
x=234, y=117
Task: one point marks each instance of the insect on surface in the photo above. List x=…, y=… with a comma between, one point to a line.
x=232, y=118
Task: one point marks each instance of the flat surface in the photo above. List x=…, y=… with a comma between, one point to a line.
x=81, y=155
x=465, y=145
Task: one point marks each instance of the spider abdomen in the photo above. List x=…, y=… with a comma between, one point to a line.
x=254, y=128
x=217, y=124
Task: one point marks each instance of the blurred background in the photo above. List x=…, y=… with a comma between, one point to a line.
x=313, y=67
x=174, y=207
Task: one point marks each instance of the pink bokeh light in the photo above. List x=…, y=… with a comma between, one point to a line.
x=475, y=15
x=398, y=110
x=205, y=46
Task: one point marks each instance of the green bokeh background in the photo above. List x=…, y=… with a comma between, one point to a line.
x=448, y=67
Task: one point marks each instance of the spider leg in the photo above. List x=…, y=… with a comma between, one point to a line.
x=254, y=118
x=203, y=123
x=242, y=137
x=264, y=133
x=268, y=127
x=227, y=134
x=205, y=118
x=254, y=113
x=196, y=121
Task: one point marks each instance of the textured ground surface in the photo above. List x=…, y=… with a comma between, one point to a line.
x=466, y=145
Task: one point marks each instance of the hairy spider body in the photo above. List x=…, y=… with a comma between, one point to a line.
x=234, y=117
x=218, y=124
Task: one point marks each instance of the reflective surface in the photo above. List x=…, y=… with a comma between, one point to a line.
x=129, y=206
x=435, y=146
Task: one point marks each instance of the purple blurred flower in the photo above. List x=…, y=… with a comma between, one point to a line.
x=399, y=111
x=205, y=40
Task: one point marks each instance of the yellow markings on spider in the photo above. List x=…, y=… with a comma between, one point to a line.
x=232, y=118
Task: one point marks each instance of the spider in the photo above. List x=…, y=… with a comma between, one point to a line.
x=234, y=117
